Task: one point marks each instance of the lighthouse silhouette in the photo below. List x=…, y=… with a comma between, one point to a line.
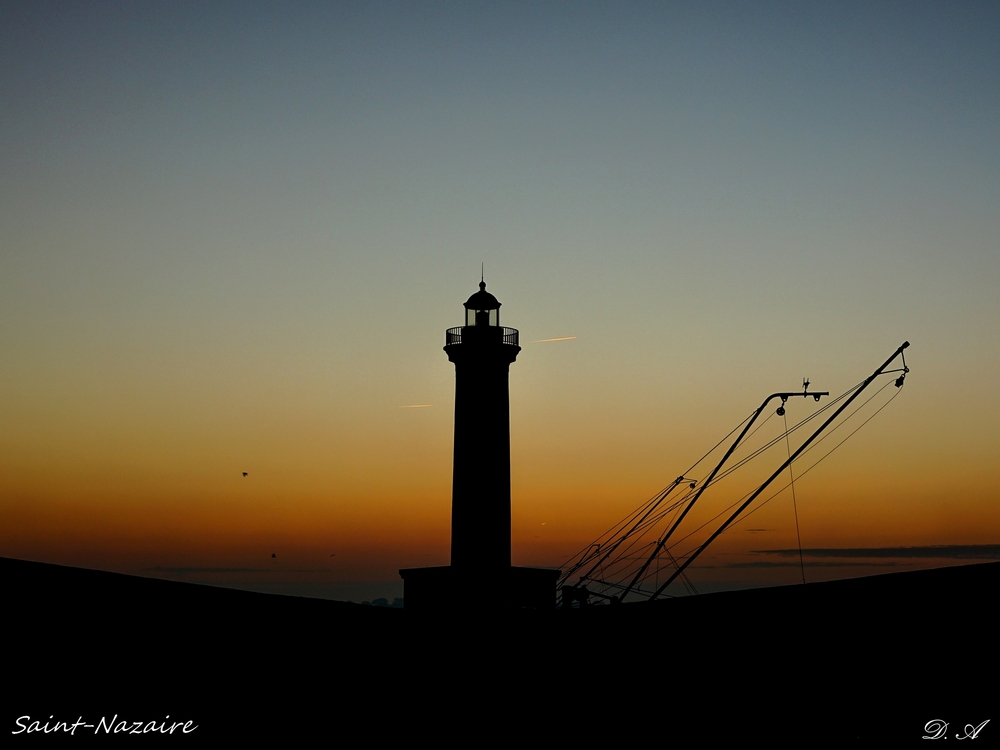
x=480, y=575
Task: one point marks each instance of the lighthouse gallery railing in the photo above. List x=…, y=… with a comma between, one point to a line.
x=454, y=335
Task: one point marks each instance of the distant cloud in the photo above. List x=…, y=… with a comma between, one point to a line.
x=769, y=564
x=756, y=531
x=561, y=338
x=415, y=406
x=943, y=551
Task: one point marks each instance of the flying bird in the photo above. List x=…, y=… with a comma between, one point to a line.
x=244, y=473
x=273, y=555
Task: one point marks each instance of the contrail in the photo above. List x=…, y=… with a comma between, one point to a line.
x=561, y=338
x=414, y=406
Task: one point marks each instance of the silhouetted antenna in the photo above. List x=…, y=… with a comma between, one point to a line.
x=619, y=564
x=482, y=273
x=691, y=558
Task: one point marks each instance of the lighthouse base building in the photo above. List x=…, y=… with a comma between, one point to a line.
x=450, y=588
x=480, y=575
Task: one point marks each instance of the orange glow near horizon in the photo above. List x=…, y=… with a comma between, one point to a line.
x=380, y=510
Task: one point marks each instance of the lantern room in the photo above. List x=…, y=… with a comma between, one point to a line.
x=482, y=308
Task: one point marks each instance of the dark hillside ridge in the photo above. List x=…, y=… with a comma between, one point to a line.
x=875, y=658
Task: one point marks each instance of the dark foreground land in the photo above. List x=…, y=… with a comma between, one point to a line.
x=873, y=659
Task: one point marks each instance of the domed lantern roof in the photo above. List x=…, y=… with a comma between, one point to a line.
x=482, y=300
x=482, y=308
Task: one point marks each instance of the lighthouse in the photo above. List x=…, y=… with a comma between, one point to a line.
x=480, y=575
x=482, y=351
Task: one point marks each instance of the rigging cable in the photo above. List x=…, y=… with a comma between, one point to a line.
x=750, y=513
x=795, y=507
x=649, y=516
x=825, y=456
x=625, y=521
x=743, y=517
x=652, y=520
x=844, y=421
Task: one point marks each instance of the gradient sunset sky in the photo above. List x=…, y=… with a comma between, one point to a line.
x=233, y=234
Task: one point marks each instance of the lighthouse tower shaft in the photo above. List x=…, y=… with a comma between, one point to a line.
x=480, y=501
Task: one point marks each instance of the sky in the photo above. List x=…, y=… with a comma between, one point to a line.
x=232, y=236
